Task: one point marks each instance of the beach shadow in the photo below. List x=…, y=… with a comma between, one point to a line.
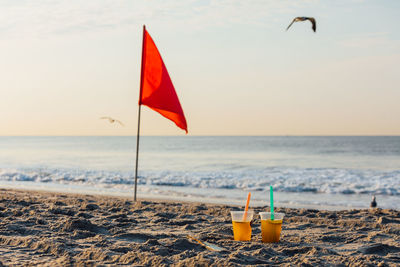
x=134, y=237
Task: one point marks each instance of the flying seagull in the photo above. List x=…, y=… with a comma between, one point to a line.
x=373, y=202
x=111, y=120
x=312, y=20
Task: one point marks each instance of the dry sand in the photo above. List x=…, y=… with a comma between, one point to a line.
x=54, y=229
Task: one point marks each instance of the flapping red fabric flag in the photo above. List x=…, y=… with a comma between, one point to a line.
x=156, y=88
x=156, y=91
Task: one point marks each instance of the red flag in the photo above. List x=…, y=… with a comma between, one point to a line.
x=156, y=88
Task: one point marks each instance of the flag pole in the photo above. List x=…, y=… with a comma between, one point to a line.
x=137, y=153
x=140, y=105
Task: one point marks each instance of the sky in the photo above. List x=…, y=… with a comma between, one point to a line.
x=235, y=68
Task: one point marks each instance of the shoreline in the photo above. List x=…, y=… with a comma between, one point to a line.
x=187, y=197
x=53, y=229
x=152, y=198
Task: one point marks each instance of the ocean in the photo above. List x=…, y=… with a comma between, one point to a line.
x=332, y=172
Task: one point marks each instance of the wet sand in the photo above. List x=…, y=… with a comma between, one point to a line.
x=55, y=229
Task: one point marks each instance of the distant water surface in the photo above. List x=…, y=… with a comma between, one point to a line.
x=321, y=171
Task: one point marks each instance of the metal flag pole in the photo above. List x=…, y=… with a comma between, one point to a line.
x=140, y=105
x=137, y=153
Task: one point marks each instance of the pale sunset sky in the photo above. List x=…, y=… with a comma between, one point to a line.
x=236, y=69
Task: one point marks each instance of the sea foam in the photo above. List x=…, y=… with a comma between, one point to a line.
x=318, y=180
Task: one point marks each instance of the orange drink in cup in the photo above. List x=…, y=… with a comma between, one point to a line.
x=241, y=225
x=271, y=229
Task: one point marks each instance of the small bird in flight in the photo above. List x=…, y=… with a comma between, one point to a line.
x=111, y=120
x=312, y=20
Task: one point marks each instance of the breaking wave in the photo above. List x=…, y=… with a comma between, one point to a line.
x=284, y=179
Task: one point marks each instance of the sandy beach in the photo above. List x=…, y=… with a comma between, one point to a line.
x=55, y=229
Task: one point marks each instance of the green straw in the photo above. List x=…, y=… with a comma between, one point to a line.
x=271, y=198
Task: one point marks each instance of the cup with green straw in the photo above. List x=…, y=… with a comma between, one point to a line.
x=271, y=222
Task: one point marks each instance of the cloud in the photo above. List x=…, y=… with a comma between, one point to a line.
x=41, y=18
x=370, y=40
x=44, y=17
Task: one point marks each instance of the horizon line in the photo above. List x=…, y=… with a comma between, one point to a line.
x=278, y=135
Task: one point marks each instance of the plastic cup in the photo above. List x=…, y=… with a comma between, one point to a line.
x=241, y=228
x=271, y=229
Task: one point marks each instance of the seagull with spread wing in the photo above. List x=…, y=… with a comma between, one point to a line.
x=312, y=20
x=111, y=120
